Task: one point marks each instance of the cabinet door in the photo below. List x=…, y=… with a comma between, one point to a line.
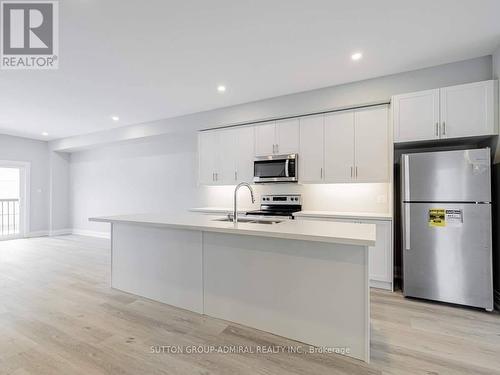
x=468, y=110
x=265, y=139
x=311, y=155
x=208, y=142
x=245, y=154
x=380, y=255
x=416, y=116
x=226, y=157
x=339, y=147
x=287, y=136
x=371, y=145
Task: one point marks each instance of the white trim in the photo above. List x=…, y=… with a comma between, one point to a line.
x=38, y=233
x=24, y=193
x=9, y=237
x=60, y=232
x=91, y=233
x=387, y=285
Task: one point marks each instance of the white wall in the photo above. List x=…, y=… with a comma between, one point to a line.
x=36, y=153
x=155, y=174
x=59, y=201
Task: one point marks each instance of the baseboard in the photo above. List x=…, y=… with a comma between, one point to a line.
x=38, y=233
x=60, y=232
x=496, y=297
x=381, y=285
x=91, y=233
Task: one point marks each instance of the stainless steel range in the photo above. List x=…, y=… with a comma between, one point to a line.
x=278, y=206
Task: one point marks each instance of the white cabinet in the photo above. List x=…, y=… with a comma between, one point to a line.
x=311, y=149
x=226, y=156
x=451, y=112
x=265, y=139
x=468, y=110
x=416, y=116
x=277, y=137
x=339, y=147
x=371, y=145
x=244, y=154
x=287, y=136
x=381, y=259
x=347, y=146
x=208, y=155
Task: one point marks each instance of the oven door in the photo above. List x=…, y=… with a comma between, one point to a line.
x=275, y=168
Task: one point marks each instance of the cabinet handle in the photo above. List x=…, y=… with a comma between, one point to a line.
x=236, y=175
x=321, y=173
x=356, y=172
x=213, y=176
x=351, y=171
x=437, y=129
x=216, y=176
x=444, y=128
x=277, y=148
x=274, y=148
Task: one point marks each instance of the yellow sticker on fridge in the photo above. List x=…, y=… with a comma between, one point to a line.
x=437, y=217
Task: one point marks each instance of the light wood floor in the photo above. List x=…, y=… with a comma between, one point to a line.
x=59, y=316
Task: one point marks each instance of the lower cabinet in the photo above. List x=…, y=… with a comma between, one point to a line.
x=381, y=261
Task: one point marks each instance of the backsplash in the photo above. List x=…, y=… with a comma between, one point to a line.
x=373, y=197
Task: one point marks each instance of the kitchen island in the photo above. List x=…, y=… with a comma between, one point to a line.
x=304, y=280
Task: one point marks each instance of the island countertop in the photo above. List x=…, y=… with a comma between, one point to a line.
x=319, y=231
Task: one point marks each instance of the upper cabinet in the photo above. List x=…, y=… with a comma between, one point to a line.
x=451, y=112
x=469, y=110
x=371, y=145
x=416, y=116
x=344, y=146
x=347, y=146
x=277, y=137
x=311, y=154
x=226, y=156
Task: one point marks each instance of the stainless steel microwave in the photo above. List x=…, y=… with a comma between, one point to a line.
x=275, y=168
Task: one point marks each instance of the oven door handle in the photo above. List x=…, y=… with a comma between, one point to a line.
x=287, y=163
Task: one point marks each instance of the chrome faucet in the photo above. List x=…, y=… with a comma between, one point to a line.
x=235, y=212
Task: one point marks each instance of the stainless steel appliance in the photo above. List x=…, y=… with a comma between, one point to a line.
x=275, y=168
x=446, y=217
x=278, y=206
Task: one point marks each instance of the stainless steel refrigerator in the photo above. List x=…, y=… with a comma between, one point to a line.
x=446, y=217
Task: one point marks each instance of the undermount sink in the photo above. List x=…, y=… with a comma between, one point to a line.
x=249, y=220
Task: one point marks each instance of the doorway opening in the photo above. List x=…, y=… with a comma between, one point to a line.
x=13, y=193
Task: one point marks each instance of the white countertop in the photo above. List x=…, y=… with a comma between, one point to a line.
x=219, y=210
x=319, y=231
x=315, y=214
x=345, y=215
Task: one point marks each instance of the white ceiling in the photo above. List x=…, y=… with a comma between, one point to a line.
x=147, y=60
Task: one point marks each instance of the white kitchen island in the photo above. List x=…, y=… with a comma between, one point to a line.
x=304, y=280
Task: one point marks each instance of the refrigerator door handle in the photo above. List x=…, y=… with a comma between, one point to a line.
x=407, y=227
x=406, y=176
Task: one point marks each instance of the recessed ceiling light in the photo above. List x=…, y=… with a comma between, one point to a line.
x=357, y=56
x=221, y=88
x=115, y=118
x=45, y=134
